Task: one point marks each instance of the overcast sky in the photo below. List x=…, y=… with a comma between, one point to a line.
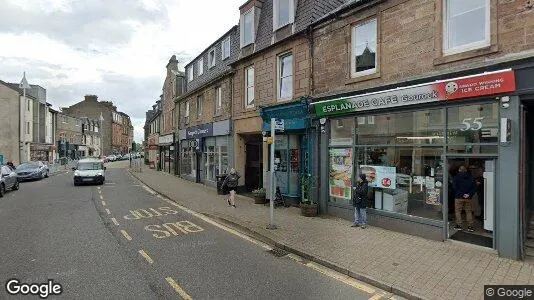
x=116, y=49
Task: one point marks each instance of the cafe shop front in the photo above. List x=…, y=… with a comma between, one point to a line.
x=410, y=143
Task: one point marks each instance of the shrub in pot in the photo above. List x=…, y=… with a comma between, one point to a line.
x=307, y=207
x=259, y=196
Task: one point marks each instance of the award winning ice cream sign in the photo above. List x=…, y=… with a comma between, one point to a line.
x=446, y=90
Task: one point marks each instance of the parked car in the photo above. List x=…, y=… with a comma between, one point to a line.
x=111, y=158
x=8, y=180
x=89, y=170
x=34, y=170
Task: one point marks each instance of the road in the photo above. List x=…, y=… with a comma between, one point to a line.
x=122, y=241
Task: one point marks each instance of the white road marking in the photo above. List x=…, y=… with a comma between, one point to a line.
x=178, y=289
x=115, y=221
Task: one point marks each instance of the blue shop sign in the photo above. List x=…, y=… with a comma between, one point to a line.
x=295, y=115
x=199, y=131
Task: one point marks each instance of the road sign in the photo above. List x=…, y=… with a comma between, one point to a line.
x=279, y=124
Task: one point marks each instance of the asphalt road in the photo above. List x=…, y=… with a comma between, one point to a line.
x=120, y=241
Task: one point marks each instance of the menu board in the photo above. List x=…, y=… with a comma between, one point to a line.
x=380, y=177
x=340, y=173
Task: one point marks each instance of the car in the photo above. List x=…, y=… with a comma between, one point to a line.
x=111, y=158
x=89, y=170
x=33, y=170
x=8, y=180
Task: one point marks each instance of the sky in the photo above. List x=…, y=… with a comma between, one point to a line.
x=116, y=49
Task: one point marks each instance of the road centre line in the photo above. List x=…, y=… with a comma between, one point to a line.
x=178, y=289
x=126, y=235
x=108, y=212
x=146, y=256
x=115, y=221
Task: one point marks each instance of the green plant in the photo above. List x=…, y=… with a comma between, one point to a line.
x=260, y=192
x=305, y=186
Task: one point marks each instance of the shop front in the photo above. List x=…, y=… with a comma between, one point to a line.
x=292, y=146
x=153, y=151
x=410, y=143
x=41, y=152
x=205, y=152
x=166, y=153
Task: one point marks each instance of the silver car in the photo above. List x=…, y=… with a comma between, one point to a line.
x=8, y=180
x=33, y=170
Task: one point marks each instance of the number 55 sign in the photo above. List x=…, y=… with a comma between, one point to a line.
x=472, y=124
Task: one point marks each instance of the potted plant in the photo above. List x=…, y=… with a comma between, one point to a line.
x=259, y=196
x=307, y=207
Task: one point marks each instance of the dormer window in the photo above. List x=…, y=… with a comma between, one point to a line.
x=247, y=28
x=190, y=74
x=225, y=48
x=211, y=58
x=283, y=13
x=200, y=66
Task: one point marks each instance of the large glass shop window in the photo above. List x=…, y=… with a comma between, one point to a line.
x=216, y=157
x=188, y=166
x=281, y=164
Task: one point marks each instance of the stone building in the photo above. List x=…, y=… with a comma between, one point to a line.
x=69, y=139
x=9, y=124
x=91, y=138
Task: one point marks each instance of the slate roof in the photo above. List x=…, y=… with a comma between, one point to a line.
x=15, y=86
x=349, y=4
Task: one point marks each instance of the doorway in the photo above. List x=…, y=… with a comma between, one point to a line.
x=253, y=162
x=481, y=207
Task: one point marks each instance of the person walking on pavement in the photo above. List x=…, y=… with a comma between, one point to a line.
x=464, y=188
x=359, y=201
x=230, y=182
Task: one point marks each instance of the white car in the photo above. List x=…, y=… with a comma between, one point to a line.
x=111, y=158
x=89, y=170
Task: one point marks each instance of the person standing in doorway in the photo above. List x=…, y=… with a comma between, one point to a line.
x=464, y=188
x=359, y=201
x=231, y=182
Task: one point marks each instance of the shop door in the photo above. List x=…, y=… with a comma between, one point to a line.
x=479, y=226
x=252, y=166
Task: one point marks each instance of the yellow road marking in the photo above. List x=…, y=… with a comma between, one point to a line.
x=108, y=212
x=378, y=296
x=115, y=221
x=103, y=203
x=343, y=278
x=146, y=256
x=126, y=235
x=178, y=289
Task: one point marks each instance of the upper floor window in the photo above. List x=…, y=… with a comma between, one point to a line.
x=364, y=45
x=285, y=76
x=466, y=26
x=249, y=86
x=211, y=58
x=29, y=104
x=186, y=109
x=225, y=48
x=199, y=106
x=218, y=100
x=190, y=73
x=200, y=66
x=247, y=28
x=283, y=13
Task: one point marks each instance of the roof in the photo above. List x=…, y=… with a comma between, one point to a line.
x=349, y=4
x=15, y=86
x=207, y=49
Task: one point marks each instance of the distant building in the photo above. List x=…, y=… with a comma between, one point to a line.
x=9, y=124
x=69, y=136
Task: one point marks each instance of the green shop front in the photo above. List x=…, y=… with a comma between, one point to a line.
x=410, y=143
x=292, y=147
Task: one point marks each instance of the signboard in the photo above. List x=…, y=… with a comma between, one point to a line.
x=279, y=124
x=380, y=177
x=166, y=139
x=199, y=131
x=445, y=90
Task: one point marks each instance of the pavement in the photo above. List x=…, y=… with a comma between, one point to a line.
x=406, y=265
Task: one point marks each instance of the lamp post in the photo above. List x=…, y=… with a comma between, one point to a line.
x=24, y=85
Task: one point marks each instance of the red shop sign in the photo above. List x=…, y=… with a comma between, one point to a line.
x=476, y=86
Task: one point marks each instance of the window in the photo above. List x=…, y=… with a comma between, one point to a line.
x=283, y=13
x=285, y=76
x=187, y=109
x=190, y=73
x=28, y=104
x=27, y=127
x=199, y=106
x=201, y=66
x=466, y=26
x=247, y=28
x=364, y=45
x=211, y=58
x=225, y=48
x=249, y=86
x=218, y=100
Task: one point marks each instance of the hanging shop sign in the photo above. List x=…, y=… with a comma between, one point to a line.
x=380, y=176
x=445, y=90
x=199, y=131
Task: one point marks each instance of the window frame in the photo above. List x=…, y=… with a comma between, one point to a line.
x=279, y=75
x=200, y=99
x=353, y=73
x=227, y=42
x=467, y=47
x=276, y=20
x=242, y=27
x=250, y=104
x=200, y=66
x=211, y=58
x=218, y=100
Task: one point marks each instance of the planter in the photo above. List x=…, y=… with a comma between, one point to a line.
x=260, y=200
x=308, y=210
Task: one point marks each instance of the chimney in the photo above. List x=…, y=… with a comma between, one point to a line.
x=91, y=98
x=173, y=63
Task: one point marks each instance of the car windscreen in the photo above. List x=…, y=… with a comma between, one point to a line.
x=90, y=166
x=24, y=167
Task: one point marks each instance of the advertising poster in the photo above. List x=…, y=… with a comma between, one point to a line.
x=380, y=177
x=433, y=196
x=340, y=173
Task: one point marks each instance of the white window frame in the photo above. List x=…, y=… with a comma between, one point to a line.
x=353, y=72
x=279, y=76
x=190, y=73
x=211, y=58
x=250, y=103
x=200, y=99
x=186, y=115
x=242, y=28
x=472, y=46
x=218, y=100
x=225, y=48
x=276, y=22
x=200, y=66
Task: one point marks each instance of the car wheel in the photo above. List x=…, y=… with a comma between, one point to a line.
x=2, y=190
x=16, y=186
x=75, y=183
x=46, y=174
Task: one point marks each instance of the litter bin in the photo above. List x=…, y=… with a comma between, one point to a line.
x=220, y=189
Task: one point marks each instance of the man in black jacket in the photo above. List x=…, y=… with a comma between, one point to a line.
x=464, y=188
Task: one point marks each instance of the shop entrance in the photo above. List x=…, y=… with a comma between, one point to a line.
x=253, y=162
x=477, y=213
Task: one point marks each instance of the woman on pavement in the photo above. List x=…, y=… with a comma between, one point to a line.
x=231, y=182
x=359, y=201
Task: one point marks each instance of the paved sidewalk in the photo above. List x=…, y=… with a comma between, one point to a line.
x=406, y=265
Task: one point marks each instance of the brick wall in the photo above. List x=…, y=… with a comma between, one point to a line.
x=410, y=43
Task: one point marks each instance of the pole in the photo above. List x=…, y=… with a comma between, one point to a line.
x=271, y=178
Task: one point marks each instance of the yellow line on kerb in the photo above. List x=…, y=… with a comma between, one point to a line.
x=178, y=289
x=115, y=221
x=126, y=235
x=146, y=256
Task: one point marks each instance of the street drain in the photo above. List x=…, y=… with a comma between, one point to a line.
x=278, y=252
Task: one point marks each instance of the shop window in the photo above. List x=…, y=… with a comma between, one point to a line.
x=342, y=131
x=466, y=26
x=287, y=164
x=364, y=48
x=215, y=157
x=188, y=158
x=473, y=124
x=285, y=76
x=340, y=176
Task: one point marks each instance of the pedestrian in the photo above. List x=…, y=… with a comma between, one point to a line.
x=230, y=182
x=359, y=201
x=11, y=165
x=464, y=188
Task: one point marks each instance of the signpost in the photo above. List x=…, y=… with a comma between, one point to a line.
x=276, y=124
